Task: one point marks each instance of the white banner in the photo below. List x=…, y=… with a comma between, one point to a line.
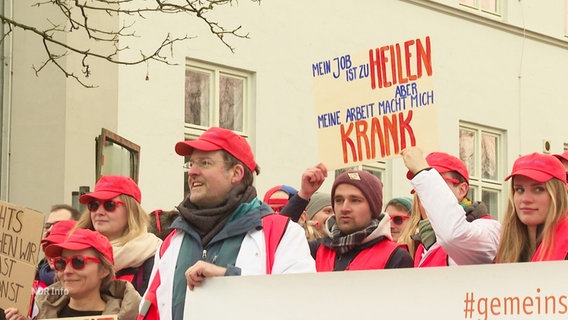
x=506, y=291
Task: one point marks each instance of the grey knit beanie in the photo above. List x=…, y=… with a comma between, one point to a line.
x=370, y=186
x=317, y=202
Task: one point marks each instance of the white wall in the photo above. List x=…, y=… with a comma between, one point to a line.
x=482, y=74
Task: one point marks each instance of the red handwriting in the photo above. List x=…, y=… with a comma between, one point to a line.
x=393, y=64
x=361, y=139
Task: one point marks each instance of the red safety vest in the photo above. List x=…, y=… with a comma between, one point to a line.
x=560, y=249
x=273, y=226
x=374, y=257
x=437, y=258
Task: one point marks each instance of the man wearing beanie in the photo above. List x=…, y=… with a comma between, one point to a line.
x=452, y=230
x=359, y=234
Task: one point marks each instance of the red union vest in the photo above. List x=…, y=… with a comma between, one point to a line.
x=560, y=249
x=273, y=226
x=374, y=257
x=437, y=258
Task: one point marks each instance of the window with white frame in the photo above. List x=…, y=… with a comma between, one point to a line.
x=489, y=6
x=215, y=96
x=481, y=148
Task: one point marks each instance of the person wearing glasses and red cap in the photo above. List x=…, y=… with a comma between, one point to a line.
x=453, y=231
x=535, y=224
x=221, y=228
x=398, y=210
x=115, y=211
x=84, y=266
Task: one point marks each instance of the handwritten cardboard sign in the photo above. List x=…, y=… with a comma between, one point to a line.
x=20, y=234
x=370, y=105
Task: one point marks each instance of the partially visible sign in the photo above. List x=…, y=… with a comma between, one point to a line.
x=481, y=292
x=370, y=105
x=20, y=234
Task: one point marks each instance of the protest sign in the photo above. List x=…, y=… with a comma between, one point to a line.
x=372, y=104
x=481, y=292
x=20, y=234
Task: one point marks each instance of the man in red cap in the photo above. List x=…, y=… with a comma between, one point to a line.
x=220, y=231
x=452, y=231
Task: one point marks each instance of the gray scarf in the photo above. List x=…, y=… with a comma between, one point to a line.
x=208, y=222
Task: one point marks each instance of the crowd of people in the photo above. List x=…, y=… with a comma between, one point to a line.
x=118, y=259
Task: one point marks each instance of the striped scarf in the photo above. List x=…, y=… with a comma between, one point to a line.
x=341, y=243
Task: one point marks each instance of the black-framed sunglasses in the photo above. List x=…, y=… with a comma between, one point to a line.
x=399, y=219
x=109, y=205
x=77, y=262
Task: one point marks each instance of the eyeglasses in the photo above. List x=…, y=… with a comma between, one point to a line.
x=48, y=225
x=399, y=219
x=202, y=163
x=109, y=205
x=77, y=262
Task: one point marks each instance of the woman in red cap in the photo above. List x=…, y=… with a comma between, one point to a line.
x=115, y=211
x=84, y=265
x=535, y=225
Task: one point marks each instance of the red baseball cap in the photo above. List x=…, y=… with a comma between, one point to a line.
x=82, y=239
x=539, y=167
x=58, y=232
x=109, y=187
x=219, y=139
x=277, y=204
x=444, y=162
x=563, y=156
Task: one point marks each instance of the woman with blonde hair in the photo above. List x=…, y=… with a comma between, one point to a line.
x=409, y=234
x=115, y=211
x=535, y=225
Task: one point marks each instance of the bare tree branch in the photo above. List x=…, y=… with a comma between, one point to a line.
x=76, y=16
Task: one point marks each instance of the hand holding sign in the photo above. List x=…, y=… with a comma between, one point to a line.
x=414, y=159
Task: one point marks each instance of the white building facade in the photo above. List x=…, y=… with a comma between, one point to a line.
x=500, y=71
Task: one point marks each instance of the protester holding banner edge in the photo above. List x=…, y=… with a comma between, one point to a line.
x=222, y=227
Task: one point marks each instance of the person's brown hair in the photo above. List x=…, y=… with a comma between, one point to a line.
x=231, y=161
